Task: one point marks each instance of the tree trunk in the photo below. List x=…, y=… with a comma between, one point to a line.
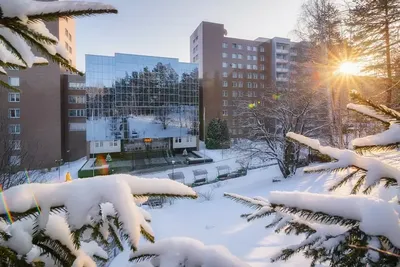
x=388, y=55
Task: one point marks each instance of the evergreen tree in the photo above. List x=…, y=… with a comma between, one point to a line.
x=24, y=29
x=374, y=26
x=355, y=230
x=217, y=134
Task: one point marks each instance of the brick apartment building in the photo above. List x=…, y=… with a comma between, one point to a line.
x=32, y=120
x=233, y=69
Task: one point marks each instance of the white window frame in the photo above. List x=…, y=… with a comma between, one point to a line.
x=234, y=84
x=262, y=66
x=79, y=113
x=240, y=84
x=225, y=113
x=14, y=97
x=234, y=93
x=224, y=64
x=224, y=103
x=240, y=75
x=14, y=129
x=225, y=74
x=249, y=94
x=240, y=66
x=225, y=93
x=255, y=67
x=248, y=57
x=224, y=55
x=15, y=145
x=255, y=85
x=234, y=55
x=255, y=75
x=262, y=58
x=262, y=49
x=239, y=46
x=249, y=75
x=248, y=66
x=224, y=84
x=240, y=56
x=234, y=74
x=224, y=45
x=16, y=111
x=255, y=58
x=248, y=48
x=255, y=48
x=249, y=85
x=234, y=66
x=262, y=76
x=14, y=81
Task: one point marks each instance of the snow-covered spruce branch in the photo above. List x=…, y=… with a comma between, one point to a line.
x=182, y=251
x=329, y=227
x=23, y=29
x=92, y=209
x=387, y=140
x=372, y=169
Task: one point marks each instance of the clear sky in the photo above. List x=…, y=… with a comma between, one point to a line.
x=163, y=27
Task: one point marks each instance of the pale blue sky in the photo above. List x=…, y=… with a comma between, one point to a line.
x=163, y=27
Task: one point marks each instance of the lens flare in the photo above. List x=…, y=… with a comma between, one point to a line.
x=3, y=198
x=33, y=195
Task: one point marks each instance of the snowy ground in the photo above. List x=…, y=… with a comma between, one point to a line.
x=56, y=176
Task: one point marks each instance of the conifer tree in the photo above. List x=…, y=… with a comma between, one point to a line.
x=355, y=230
x=23, y=28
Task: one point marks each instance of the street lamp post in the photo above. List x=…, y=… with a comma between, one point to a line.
x=173, y=164
x=59, y=161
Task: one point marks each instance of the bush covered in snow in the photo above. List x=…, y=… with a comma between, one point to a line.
x=355, y=230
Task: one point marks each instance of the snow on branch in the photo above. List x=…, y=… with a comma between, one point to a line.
x=80, y=196
x=183, y=251
x=368, y=111
x=389, y=138
x=375, y=168
x=375, y=216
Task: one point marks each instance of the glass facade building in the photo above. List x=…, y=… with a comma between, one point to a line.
x=144, y=101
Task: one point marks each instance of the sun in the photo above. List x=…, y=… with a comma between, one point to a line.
x=349, y=68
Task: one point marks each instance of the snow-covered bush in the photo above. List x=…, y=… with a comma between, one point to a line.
x=356, y=230
x=22, y=28
x=60, y=224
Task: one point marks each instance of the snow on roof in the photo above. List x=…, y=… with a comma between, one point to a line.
x=200, y=172
x=176, y=176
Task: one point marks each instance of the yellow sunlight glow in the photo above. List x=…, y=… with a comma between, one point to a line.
x=349, y=68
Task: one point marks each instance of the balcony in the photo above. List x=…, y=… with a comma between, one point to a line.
x=282, y=51
x=282, y=70
x=293, y=52
x=282, y=79
x=281, y=60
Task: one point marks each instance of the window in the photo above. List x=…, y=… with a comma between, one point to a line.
x=249, y=85
x=240, y=56
x=240, y=93
x=224, y=74
x=262, y=85
x=225, y=84
x=254, y=48
x=239, y=46
x=249, y=76
x=262, y=67
x=233, y=122
x=254, y=57
x=240, y=66
x=255, y=67
x=77, y=127
x=225, y=113
x=240, y=84
x=234, y=84
x=262, y=49
x=14, y=160
x=234, y=66
x=225, y=103
x=77, y=86
x=77, y=99
x=262, y=58
x=98, y=144
x=249, y=93
x=234, y=45
x=234, y=94
x=14, y=113
x=262, y=76
x=194, y=59
x=234, y=55
x=248, y=57
x=66, y=46
x=14, y=97
x=248, y=66
x=224, y=64
x=15, y=144
x=254, y=94
x=14, y=128
x=225, y=93
x=69, y=37
x=255, y=85
x=66, y=32
x=255, y=75
x=224, y=45
x=234, y=74
x=240, y=75
x=13, y=81
x=248, y=48
x=224, y=55
x=113, y=143
x=77, y=113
